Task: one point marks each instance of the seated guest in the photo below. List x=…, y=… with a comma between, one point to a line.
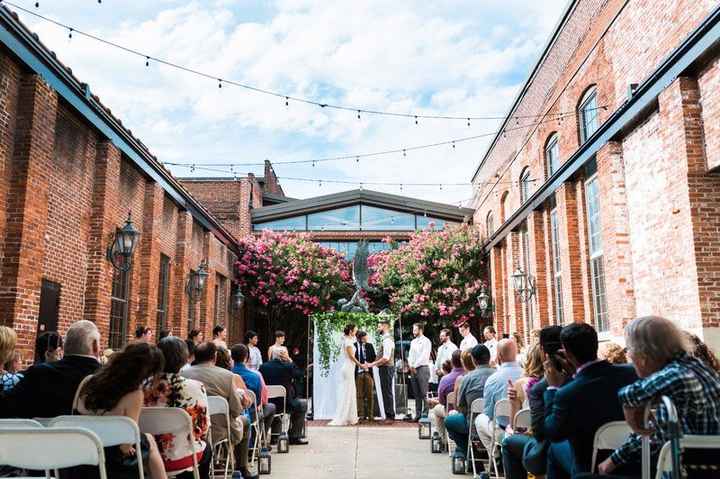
x=255, y=359
x=196, y=336
x=574, y=411
x=532, y=373
x=143, y=334
x=254, y=381
x=191, y=354
x=472, y=387
x=48, y=389
x=223, y=359
x=48, y=348
x=438, y=407
x=281, y=371
x=277, y=349
x=223, y=383
x=163, y=333
x=219, y=335
x=613, y=353
x=523, y=453
x=9, y=375
x=508, y=371
x=659, y=352
x=468, y=364
x=8, y=338
x=701, y=351
x=170, y=389
x=116, y=390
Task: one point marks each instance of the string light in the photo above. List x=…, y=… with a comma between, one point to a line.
x=147, y=61
x=288, y=98
x=70, y=33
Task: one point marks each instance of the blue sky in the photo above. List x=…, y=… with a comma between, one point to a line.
x=464, y=57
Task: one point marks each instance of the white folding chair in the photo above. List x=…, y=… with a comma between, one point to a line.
x=450, y=406
x=476, y=408
x=609, y=437
x=522, y=420
x=690, y=441
x=51, y=448
x=19, y=423
x=112, y=431
x=503, y=408
x=257, y=425
x=274, y=392
x=219, y=405
x=170, y=420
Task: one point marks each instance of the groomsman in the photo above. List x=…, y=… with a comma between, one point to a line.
x=444, y=352
x=364, y=384
x=419, y=363
x=386, y=368
x=469, y=340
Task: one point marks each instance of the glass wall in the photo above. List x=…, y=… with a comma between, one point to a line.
x=354, y=218
x=348, y=248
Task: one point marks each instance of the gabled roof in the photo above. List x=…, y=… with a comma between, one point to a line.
x=367, y=197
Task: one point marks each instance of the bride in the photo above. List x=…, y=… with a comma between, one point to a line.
x=346, y=412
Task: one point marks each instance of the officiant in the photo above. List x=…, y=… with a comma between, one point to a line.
x=364, y=384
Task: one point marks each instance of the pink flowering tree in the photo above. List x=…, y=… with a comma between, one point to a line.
x=435, y=277
x=292, y=273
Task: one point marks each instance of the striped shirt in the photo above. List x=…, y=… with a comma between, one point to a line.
x=692, y=386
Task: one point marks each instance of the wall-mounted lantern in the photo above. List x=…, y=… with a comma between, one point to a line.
x=120, y=252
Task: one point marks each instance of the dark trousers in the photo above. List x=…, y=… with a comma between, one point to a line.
x=561, y=461
x=419, y=384
x=386, y=381
x=512, y=455
x=365, y=399
x=268, y=414
x=297, y=408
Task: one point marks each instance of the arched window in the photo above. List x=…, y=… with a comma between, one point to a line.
x=524, y=185
x=588, y=118
x=490, y=224
x=552, y=154
x=503, y=207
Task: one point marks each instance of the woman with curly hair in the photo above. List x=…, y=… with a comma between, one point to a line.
x=701, y=351
x=117, y=390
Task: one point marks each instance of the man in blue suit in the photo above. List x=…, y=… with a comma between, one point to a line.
x=576, y=410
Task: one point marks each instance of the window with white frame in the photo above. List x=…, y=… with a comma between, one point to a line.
x=557, y=267
x=490, y=224
x=524, y=185
x=552, y=154
x=588, y=114
x=597, y=269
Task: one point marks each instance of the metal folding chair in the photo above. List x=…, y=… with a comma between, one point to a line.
x=450, y=406
x=170, y=420
x=476, y=408
x=503, y=407
x=609, y=436
x=275, y=392
x=219, y=405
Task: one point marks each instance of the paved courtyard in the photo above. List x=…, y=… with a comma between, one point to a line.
x=361, y=453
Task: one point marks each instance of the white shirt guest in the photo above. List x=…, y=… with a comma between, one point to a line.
x=469, y=340
x=419, y=355
x=491, y=342
x=445, y=350
x=255, y=356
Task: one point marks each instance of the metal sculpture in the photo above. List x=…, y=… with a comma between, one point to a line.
x=361, y=275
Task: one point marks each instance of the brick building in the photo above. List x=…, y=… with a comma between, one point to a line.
x=614, y=208
x=69, y=174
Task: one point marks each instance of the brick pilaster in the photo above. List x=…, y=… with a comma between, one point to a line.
x=498, y=287
x=540, y=261
x=180, y=301
x=27, y=208
x=570, y=204
x=148, y=256
x=515, y=306
x=207, y=300
x=105, y=208
x=617, y=255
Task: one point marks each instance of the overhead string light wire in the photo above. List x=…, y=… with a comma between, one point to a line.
x=286, y=98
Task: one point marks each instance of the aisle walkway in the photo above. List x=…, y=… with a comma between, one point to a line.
x=361, y=453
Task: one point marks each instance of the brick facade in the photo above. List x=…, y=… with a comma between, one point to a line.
x=657, y=185
x=64, y=189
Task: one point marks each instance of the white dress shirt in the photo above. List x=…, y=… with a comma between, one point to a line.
x=444, y=353
x=255, y=358
x=468, y=342
x=420, y=349
x=491, y=344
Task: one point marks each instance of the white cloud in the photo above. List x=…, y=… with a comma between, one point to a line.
x=457, y=57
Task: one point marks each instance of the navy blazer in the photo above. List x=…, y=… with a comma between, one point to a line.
x=279, y=373
x=47, y=389
x=369, y=355
x=576, y=411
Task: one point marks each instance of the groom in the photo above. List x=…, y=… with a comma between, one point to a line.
x=386, y=368
x=364, y=384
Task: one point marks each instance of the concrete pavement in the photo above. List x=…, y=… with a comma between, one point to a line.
x=361, y=453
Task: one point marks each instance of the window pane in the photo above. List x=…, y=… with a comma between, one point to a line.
x=296, y=223
x=380, y=219
x=593, y=212
x=524, y=186
x=348, y=248
x=557, y=267
x=341, y=219
x=119, y=309
x=490, y=225
x=423, y=222
x=552, y=156
x=599, y=298
x=589, y=120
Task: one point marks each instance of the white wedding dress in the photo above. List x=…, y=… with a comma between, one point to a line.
x=346, y=410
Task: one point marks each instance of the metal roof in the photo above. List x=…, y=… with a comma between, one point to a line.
x=368, y=197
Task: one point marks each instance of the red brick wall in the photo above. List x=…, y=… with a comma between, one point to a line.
x=63, y=191
x=659, y=203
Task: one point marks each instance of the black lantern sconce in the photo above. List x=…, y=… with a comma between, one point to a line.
x=197, y=281
x=524, y=285
x=120, y=252
x=238, y=300
x=424, y=428
x=485, y=303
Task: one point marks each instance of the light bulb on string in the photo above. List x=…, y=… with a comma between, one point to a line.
x=37, y=4
x=192, y=168
x=219, y=83
x=358, y=114
x=401, y=187
x=357, y=159
x=440, y=186
x=313, y=163
x=453, y=145
x=319, y=183
x=147, y=61
x=70, y=30
x=416, y=119
x=468, y=120
x=287, y=101
x=404, y=153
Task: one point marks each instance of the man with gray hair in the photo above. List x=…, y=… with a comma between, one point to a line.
x=48, y=389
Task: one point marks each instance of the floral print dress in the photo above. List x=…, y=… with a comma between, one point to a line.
x=173, y=390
